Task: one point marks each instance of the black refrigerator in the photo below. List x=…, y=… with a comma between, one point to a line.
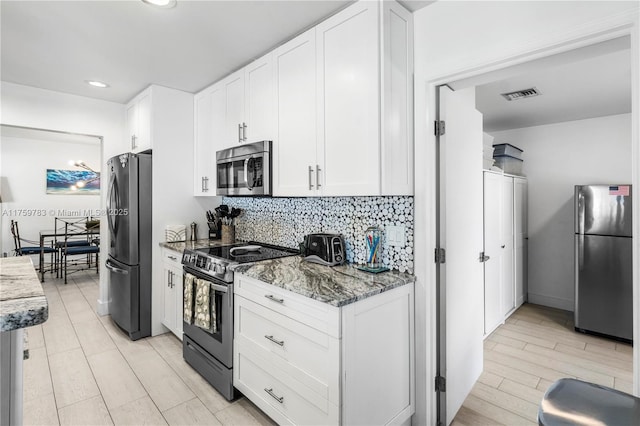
x=603, y=261
x=129, y=261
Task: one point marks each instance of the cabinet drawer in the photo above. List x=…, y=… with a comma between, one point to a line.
x=277, y=394
x=318, y=315
x=172, y=257
x=306, y=354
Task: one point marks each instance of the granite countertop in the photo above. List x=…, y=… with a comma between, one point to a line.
x=337, y=285
x=22, y=299
x=191, y=245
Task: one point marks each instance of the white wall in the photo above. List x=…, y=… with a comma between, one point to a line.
x=45, y=109
x=24, y=166
x=460, y=39
x=557, y=157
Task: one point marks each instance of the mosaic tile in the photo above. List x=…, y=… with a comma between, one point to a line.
x=285, y=222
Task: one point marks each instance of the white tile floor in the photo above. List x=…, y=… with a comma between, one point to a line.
x=83, y=370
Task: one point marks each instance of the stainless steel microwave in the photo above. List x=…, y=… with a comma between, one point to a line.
x=244, y=170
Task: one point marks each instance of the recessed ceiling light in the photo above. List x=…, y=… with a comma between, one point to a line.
x=165, y=4
x=96, y=83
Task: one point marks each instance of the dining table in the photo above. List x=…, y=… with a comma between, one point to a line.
x=47, y=234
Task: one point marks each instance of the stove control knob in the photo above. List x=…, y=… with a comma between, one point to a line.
x=221, y=269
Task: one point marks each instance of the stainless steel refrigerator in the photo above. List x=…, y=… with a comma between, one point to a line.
x=129, y=261
x=603, y=261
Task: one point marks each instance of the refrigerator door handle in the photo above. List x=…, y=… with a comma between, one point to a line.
x=115, y=269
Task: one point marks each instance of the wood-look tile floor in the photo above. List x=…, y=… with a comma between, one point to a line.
x=83, y=370
x=523, y=357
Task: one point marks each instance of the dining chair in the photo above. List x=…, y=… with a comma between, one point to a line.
x=25, y=251
x=76, y=244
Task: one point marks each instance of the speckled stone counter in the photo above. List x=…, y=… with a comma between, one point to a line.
x=191, y=245
x=337, y=286
x=22, y=300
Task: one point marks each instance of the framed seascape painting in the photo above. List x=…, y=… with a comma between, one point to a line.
x=72, y=182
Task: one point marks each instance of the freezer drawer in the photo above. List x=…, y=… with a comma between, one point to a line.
x=603, y=298
x=125, y=297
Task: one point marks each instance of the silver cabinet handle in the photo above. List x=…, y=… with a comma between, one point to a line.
x=275, y=299
x=133, y=141
x=277, y=342
x=310, y=175
x=244, y=132
x=239, y=133
x=205, y=184
x=169, y=279
x=280, y=399
x=317, y=176
x=172, y=257
x=202, y=184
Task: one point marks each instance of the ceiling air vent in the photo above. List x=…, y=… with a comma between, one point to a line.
x=521, y=94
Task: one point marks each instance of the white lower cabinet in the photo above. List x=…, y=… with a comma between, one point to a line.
x=172, y=281
x=306, y=362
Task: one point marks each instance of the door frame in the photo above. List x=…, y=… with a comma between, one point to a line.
x=427, y=193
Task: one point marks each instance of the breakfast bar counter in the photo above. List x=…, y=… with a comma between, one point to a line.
x=22, y=304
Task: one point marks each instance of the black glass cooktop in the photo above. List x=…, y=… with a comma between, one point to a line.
x=253, y=252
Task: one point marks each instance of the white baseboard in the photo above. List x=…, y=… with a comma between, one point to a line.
x=103, y=308
x=550, y=301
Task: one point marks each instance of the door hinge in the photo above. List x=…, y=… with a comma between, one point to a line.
x=440, y=255
x=441, y=384
x=438, y=128
x=483, y=257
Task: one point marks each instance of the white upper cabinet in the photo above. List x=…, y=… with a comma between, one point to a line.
x=234, y=109
x=258, y=122
x=294, y=148
x=139, y=122
x=249, y=115
x=209, y=112
x=363, y=106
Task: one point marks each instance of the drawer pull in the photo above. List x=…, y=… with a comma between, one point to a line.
x=172, y=257
x=277, y=342
x=280, y=399
x=272, y=297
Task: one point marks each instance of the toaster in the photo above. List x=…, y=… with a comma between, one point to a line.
x=325, y=249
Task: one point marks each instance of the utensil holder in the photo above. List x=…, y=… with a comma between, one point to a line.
x=228, y=234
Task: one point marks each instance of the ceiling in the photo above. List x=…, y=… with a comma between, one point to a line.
x=58, y=45
x=595, y=83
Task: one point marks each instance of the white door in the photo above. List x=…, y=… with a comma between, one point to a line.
x=461, y=276
x=203, y=146
x=132, y=125
x=169, y=312
x=520, y=231
x=508, y=273
x=234, y=114
x=143, y=138
x=348, y=100
x=259, y=101
x=493, y=315
x=294, y=149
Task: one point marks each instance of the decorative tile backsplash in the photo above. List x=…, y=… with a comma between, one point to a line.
x=285, y=222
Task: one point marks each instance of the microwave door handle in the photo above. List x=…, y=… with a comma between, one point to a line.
x=246, y=173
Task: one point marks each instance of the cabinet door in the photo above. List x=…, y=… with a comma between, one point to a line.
x=177, y=287
x=508, y=274
x=143, y=139
x=348, y=100
x=259, y=101
x=169, y=312
x=132, y=125
x=234, y=114
x=209, y=111
x=520, y=235
x=294, y=148
x=493, y=315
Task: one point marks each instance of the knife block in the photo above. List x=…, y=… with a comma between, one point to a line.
x=214, y=230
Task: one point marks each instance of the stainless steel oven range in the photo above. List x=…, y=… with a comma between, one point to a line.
x=211, y=353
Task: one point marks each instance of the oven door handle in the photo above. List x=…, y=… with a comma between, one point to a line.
x=218, y=287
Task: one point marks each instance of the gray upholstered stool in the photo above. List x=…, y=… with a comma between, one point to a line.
x=574, y=402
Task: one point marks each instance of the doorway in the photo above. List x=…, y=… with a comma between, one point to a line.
x=493, y=82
